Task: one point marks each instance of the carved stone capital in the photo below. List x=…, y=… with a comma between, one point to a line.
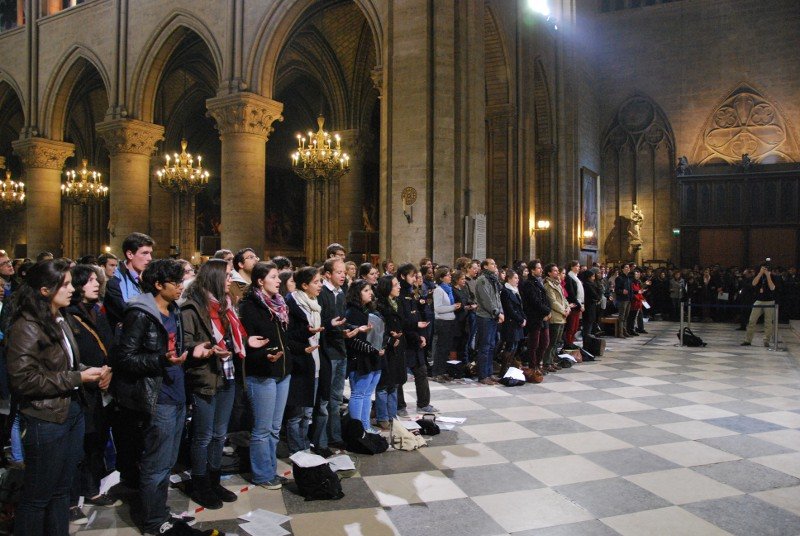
x=130, y=136
x=376, y=74
x=244, y=113
x=43, y=153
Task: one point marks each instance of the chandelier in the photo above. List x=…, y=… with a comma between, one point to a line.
x=179, y=174
x=83, y=186
x=12, y=193
x=316, y=159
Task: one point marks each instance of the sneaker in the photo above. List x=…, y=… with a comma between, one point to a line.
x=77, y=517
x=182, y=518
x=372, y=430
x=745, y=343
x=384, y=425
x=325, y=452
x=170, y=528
x=283, y=480
x=273, y=484
x=486, y=381
x=428, y=409
x=402, y=412
x=102, y=500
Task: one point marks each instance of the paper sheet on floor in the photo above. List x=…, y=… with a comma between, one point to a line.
x=409, y=425
x=180, y=477
x=343, y=462
x=451, y=420
x=263, y=529
x=264, y=516
x=306, y=459
x=109, y=482
x=514, y=372
x=568, y=356
x=446, y=426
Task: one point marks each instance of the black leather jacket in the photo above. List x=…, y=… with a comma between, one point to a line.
x=139, y=358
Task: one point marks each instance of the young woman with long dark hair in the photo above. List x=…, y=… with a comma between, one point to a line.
x=393, y=371
x=267, y=369
x=47, y=377
x=209, y=320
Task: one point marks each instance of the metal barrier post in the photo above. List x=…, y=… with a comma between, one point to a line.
x=775, y=329
x=680, y=332
x=689, y=313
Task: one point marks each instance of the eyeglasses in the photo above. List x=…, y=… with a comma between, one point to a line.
x=176, y=283
x=6, y=263
x=252, y=258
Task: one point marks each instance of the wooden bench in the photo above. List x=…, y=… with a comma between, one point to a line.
x=612, y=325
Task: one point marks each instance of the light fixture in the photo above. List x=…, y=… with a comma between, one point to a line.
x=316, y=159
x=180, y=175
x=540, y=6
x=676, y=232
x=542, y=225
x=84, y=186
x=12, y=193
x=588, y=233
x=107, y=249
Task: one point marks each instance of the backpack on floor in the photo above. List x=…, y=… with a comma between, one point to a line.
x=690, y=339
x=317, y=483
x=403, y=439
x=428, y=425
x=357, y=440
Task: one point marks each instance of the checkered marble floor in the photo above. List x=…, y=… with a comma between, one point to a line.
x=651, y=439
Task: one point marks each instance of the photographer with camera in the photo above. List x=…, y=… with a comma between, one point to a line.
x=765, y=291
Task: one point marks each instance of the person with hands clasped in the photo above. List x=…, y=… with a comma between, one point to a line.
x=267, y=369
x=148, y=385
x=213, y=337
x=393, y=373
x=363, y=359
x=303, y=337
x=46, y=375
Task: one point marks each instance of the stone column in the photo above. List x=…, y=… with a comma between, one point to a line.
x=130, y=143
x=351, y=190
x=43, y=160
x=244, y=121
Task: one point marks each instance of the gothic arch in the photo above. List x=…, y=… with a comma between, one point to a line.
x=155, y=54
x=638, y=156
x=276, y=29
x=746, y=122
x=9, y=87
x=70, y=68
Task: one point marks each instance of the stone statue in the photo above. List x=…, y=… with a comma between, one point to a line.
x=635, y=227
x=683, y=167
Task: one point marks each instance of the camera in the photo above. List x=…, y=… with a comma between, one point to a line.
x=768, y=263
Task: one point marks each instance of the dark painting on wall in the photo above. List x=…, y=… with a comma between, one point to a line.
x=590, y=203
x=285, y=214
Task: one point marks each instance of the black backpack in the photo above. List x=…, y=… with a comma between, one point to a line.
x=317, y=483
x=690, y=339
x=359, y=441
x=428, y=425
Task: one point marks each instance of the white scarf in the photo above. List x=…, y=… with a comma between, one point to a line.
x=574, y=276
x=312, y=309
x=512, y=288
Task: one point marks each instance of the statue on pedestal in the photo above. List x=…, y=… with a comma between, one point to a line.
x=635, y=232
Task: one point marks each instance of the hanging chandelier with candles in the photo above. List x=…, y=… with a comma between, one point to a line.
x=12, y=193
x=316, y=158
x=180, y=175
x=84, y=186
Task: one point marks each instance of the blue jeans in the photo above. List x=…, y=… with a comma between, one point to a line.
x=210, y=419
x=17, y=451
x=268, y=400
x=52, y=454
x=361, y=389
x=472, y=322
x=487, y=340
x=298, y=420
x=386, y=404
x=338, y=375
x=162, y=440
x=320, y=434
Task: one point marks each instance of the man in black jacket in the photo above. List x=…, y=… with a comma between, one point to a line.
x=137, y=249
x=148, y=385
x=537, y=311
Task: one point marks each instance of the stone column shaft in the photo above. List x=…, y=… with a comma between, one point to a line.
x=130, y=144
x=43, y=160
x=351, y=186
x=244, y=121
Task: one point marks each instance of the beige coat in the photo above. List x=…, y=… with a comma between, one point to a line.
x=558, y=303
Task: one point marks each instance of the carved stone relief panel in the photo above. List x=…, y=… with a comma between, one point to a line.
x=746, y=122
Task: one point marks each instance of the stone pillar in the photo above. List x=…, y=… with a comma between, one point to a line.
x=244, y=121
x=130, y=143
x=351, y=186
x=43, y=160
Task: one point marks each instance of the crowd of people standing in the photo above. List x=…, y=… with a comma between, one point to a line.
x=124, y=348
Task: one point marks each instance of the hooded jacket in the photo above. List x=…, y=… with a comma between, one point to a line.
x=120, y=289
x=139, y=359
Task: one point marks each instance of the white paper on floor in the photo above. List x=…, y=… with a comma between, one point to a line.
x=306, y=459
x=452, y=420
x=109, y=482
x=409, y=425
x=569, y=356
x=261, y=529
x=343, y=462
x=514, y=372
x=180, y=477
x=446, y=426
x=264, y=516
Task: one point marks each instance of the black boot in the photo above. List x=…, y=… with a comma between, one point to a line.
x=203, y=494
x=223, y=493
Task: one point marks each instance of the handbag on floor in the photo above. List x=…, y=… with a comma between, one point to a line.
x=317, y=483
x=357, y=440
x=402, y=439
x=428, y=425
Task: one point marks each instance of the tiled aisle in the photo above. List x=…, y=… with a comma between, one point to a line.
x=652, y=439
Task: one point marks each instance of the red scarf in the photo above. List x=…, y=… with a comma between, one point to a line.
x=238, y=334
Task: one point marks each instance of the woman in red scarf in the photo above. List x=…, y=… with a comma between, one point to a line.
x=210, y=321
